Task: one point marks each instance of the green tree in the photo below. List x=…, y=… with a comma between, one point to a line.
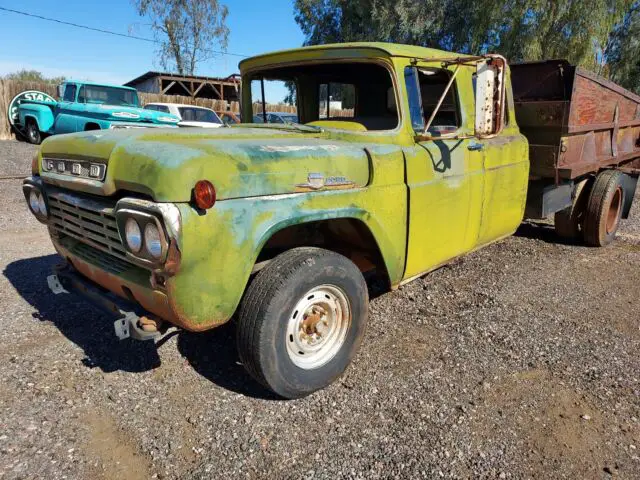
x=623, y=58
x=188, y=31
x=33, y=76
x=577, y=30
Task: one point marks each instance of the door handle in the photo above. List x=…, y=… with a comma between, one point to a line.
x=475, y=147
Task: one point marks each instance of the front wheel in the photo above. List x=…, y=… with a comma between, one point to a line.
x=302, y=320
x=33, y=133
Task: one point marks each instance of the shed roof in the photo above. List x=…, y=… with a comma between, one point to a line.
x=152, y=74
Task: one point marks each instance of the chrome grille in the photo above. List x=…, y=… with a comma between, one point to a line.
x=90, y=221
x=102, y=260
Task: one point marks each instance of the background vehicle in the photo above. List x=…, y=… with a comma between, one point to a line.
x=277, y=117
x=82, y=106
x=280, y=223
x=189, y=115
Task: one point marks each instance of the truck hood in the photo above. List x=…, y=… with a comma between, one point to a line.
x=243, y=161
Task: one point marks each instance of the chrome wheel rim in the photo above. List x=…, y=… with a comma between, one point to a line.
x=317, y=327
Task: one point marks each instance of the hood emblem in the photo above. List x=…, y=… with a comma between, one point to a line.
x=317, y=181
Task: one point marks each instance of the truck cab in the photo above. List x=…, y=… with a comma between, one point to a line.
x=403, y=158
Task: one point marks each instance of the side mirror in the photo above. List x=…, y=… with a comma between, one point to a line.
x=60, y=91
x=490, y=96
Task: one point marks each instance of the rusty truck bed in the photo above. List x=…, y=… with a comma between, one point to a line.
x=576, y=121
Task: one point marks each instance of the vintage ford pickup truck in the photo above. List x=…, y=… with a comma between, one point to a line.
x=281, y=225
x=82, y=106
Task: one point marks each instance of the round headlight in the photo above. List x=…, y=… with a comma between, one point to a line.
x=133, y=235
x=152, y=240
x=41, y=205
x=34, y=201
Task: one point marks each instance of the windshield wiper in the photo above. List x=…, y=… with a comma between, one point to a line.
x=303, y=128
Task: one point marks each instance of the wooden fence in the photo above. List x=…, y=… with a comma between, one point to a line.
x=10, y=88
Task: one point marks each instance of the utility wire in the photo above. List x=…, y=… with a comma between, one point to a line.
x=150, y=40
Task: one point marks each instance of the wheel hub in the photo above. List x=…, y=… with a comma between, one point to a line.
x=318, y=326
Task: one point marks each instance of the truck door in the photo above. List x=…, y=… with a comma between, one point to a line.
x=444, y=174
x=65, y=120
x=506, y=164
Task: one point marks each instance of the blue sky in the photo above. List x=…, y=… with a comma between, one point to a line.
x=256, y=26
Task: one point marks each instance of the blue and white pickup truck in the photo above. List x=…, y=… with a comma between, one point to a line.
x=82, y=106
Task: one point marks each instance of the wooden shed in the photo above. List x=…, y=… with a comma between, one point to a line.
x=188, y=85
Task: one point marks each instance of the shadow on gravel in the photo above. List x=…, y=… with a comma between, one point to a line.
x=212, y=354
x=542, y=231
x=78, y=320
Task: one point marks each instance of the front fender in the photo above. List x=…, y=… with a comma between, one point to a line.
x=219, y=248
x=42, y=114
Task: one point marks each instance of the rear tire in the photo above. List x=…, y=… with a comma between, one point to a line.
x=302, y=320
x=604, y=209
x=33, y=133
x=569, y=223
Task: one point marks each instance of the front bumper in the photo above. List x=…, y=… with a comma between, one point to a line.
x=127, y=323
x=132, y=284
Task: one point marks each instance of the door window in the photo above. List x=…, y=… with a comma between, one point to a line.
x=432, y=84
x=69, y=93
x=415, y=100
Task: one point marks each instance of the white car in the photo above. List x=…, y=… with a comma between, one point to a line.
x=190, y=115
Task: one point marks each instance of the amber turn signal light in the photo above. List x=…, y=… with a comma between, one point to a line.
x=204, y=194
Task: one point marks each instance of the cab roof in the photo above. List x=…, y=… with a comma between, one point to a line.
x=82, y=82
x=387, y=49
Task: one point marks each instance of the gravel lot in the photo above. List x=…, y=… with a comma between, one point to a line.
x=519, y=361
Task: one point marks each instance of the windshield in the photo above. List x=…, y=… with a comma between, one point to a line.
x=121, y=97
x=351, y=95
x=192, y=114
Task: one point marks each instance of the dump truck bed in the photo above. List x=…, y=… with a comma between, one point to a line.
x=576, y=121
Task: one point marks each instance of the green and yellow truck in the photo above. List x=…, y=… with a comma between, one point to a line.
x=404, y=158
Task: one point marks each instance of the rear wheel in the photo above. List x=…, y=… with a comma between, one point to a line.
x=302, y=321
x=569, y=223
x=604, y=209
x=33, y=132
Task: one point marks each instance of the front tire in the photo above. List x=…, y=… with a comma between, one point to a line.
x=302, y=321
x=33, y=133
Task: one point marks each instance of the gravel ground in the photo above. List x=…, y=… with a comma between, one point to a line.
x=15, y=157
x=518, y=361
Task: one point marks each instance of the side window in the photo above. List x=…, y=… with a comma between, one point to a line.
x=70, y=93
x=433, y=82
x=336, y=100
x=163, y=108
x=150, y=107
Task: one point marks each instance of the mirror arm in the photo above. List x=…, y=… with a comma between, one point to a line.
x=442, y=97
